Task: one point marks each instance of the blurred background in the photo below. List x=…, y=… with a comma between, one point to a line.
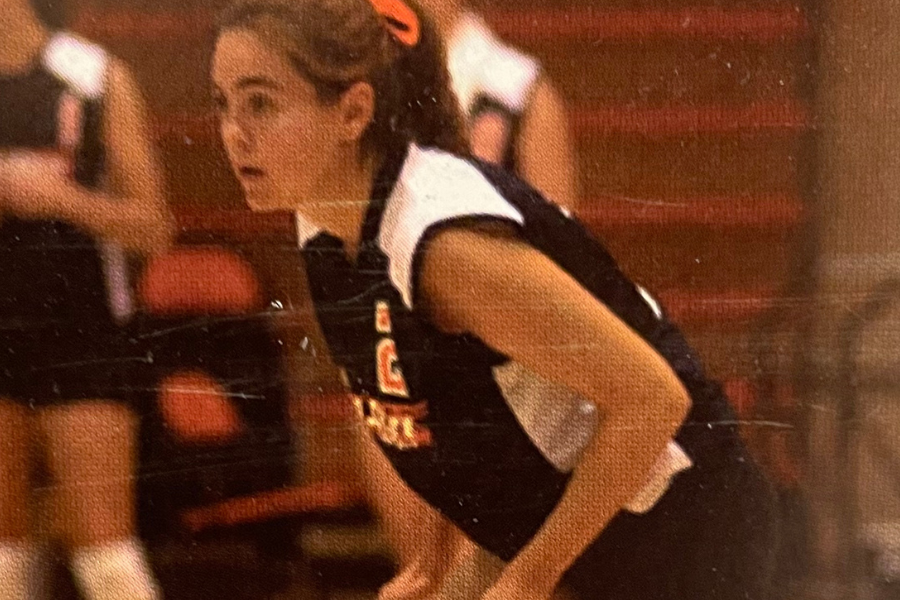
x=740, y=158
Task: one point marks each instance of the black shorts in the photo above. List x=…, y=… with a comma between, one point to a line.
x=713, y=536
x=59, y=341
x=47, y=366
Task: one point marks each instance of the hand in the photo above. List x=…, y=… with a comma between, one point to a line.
x=516, y=585
x=411, y=583
x=33, y=185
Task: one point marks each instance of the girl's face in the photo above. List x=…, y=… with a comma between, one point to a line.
x=282, y=142
x=17, y=5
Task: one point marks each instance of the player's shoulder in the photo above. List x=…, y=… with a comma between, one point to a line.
x=435, y=188
x=484, y=66
x=434, y=185
x=79, y=63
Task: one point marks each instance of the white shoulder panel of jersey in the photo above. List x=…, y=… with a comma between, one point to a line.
x=80, y=64
x=433, y=187
x=481, y=64
x=561, y=424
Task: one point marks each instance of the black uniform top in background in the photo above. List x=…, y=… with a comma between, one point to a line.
x=441, y=405
x=51, y=272
x=491, y=79
x=51, y=12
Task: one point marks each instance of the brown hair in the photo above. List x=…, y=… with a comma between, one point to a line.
x=336, y=43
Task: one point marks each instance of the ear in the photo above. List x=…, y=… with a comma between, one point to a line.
x=357, y=109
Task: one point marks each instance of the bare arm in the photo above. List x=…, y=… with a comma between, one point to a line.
x=137, y=214
x=412, y=527
x=546, y=153
x=547, y=161
x=520, y=303
x=132, y=210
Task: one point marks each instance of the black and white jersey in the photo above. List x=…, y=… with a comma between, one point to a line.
x=50, y=270
x=491, y=80
x=442, y=406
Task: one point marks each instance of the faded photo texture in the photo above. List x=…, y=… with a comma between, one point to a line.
x=450, y=299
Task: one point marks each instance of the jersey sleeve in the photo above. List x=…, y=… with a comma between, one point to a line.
x=435, y=191
x=483, y=66
x=509, y=78
x=80, y=64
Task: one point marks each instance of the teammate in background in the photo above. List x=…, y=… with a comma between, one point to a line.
x=79, y=186
x=515, y=116
x=450, y=291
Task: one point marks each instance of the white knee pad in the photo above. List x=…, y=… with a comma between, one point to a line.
x=114, y=571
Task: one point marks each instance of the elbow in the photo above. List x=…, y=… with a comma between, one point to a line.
x=669, y=399
x=675, y=403
x=665, y=402
x=661, y=404
x=159, y=231
x=683, y=407
x=154, y=232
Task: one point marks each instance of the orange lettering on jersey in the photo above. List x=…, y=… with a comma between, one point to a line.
x=390, y=377
x=359, y=407
x=396, y=424
x=382, y=317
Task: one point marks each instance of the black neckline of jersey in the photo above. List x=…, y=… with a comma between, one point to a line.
x=382, y=187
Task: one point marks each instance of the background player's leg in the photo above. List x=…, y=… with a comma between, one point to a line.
x=90, y=449
x=16, y=551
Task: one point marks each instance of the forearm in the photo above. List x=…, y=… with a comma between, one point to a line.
x=611, y=473
x=136, y=223
x=416, y=532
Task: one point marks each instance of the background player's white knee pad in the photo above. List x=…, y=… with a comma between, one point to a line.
x=114, y=571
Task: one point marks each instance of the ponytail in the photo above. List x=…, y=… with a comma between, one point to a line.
x=414, y=99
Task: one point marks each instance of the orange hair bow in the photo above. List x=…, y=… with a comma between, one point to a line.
x=401, y=20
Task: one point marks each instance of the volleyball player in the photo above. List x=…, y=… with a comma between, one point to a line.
x=79, y=186
x=449, y=290
x=515, y=118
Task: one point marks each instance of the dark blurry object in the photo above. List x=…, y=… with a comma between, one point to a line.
x=217, y=460
x=216, y=423
x=214, y=418
x=52, y=12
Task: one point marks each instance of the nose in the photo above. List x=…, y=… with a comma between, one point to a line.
x=236, y=138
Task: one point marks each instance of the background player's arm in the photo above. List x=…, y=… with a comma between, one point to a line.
x=546, y=155
x=132, y=210
x=138, y=212
x=520, y=303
